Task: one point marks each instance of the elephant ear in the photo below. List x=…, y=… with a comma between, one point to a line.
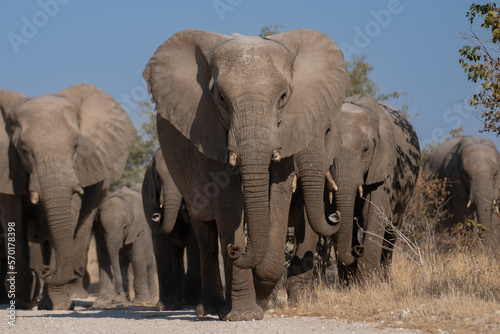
x=178, y=78
x=384, y=159
x=13, y=179
x=106, y=134
x=319, y=84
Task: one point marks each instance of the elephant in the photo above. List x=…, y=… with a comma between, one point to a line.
x=375, y=173
x=63, y=152
x=123, y=238
x=471, y=165
x=238, y=118
x=172, y=234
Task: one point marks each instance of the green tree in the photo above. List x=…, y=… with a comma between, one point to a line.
x=143, y=148
x=359, y=70
x=481, y=63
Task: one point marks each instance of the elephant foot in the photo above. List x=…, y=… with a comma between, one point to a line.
x=102, y=304
x=48, y=304
x=141, y=300
x=241, y=312
x=297, y=295
x=170, y=304
x=76, y=290
x=120, y=299
x=27, y=295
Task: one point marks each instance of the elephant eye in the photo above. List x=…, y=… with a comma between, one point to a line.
x=221, y=98
x=282, y=100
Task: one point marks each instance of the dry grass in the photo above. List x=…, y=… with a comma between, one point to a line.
x=461, y=294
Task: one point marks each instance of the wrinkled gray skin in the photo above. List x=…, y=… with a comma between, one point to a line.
x=123, y=238
x=379, y=152
x=471, y=165
x=266, y=107
x=64, y=150
x=172, y=234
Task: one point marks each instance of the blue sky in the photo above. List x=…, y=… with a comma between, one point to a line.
x=48, y=45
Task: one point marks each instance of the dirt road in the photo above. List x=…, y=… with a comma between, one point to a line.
x=147, y=320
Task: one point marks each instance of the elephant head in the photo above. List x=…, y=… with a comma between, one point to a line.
x=65, y=142
x=366, y=158
x=479, y=173
x=162, y=194
x=251, y=102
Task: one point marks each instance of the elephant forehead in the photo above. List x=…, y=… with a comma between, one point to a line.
x=479, y=156
x=250, y=54
x=47, y=110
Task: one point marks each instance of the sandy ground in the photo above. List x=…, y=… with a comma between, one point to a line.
x=146, y=320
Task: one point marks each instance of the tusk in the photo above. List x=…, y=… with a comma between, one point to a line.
x=330, y=196
x=156, y=217
x=79, y=190
x=469, y=204
x=360, y=189
x=161, y=205
x=294, y=184
x=330, y=180
x=276, y=156
x=232, y=159
x=34, y=198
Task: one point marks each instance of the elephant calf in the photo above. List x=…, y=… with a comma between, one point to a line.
x=123, y=237
x=172, y=234
x=375, y=170
x=471, y=165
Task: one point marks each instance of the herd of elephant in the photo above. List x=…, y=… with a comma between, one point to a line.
x=256, y=135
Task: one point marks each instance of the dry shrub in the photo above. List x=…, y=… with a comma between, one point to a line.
x=431, y=286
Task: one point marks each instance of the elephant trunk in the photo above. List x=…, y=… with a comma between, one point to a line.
x=345, y=199
x=254, y=140
x=56, y=191
x=171, y=205
x=255, y=181
x=483, y=195
x=312, y=176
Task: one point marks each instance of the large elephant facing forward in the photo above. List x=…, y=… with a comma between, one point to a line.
x=376, y=170
x=472, y=166
x=64, y=149
x=236, y=115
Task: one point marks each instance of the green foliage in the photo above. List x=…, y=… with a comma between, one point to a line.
x=143, y=148
x=359, y=70
x=480, y=63
x=270, y=30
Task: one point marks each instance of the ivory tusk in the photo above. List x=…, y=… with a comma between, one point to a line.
x=156, y=217
x=360, y=189
x=232, y=159
x=276, y=156
x=34, y=197
x=161, y=205
x=330, y=196
x=330, y=180
x=294, y=184
x=79, y=190
x=469, y=204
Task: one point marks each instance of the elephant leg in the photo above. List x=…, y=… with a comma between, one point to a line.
x=211, y=298
x=377, y=211
x=75, y=287
x=300, y=269
x=152, y=273
x=106, y=286
x=140, y=269
x=271, y=269
x=115, y=254
x=191, y=286
x=169, y=296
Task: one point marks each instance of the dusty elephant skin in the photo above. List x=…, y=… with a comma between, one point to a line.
x=238, y=117
x=172, y=233
x=123, y=238
x=63, y=152
x=472, y=167
x=376, y=171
